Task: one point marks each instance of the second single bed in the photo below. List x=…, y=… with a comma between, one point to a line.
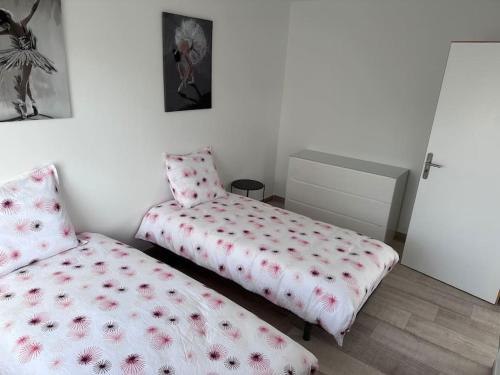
x=322, y=273
x=106, y=308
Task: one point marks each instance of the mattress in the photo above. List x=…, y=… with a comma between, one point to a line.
x=105, y=308
x=320, y=272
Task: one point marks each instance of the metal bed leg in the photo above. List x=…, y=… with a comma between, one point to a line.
x=307, y=331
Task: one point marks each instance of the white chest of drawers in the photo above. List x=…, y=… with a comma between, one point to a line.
x=349, y=193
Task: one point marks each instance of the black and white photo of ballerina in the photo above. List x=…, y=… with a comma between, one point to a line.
x=190, y=56
x=23, y=60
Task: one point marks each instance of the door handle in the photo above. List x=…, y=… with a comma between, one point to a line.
x=429, y=164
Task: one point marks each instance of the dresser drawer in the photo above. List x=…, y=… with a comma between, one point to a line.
x=340, y=179
x=339, y=202
x=356, y=194
x=319, y=214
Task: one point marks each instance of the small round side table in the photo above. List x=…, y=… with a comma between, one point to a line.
x=249, y=185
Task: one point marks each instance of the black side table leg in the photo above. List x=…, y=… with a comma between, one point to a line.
x=307, y=331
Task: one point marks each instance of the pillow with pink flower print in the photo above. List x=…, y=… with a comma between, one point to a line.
x=193, y=178
x=33, y=222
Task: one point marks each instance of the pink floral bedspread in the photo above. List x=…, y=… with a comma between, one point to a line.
x=322, y=273
x=105, y=308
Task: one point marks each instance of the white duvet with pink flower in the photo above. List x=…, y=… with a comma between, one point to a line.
x=320, y=272
x=105, y=308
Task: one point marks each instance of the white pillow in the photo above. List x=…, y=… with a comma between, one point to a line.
x=193, y=178
x=33, y=222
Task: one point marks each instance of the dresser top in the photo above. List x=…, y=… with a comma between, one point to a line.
x=351, y=163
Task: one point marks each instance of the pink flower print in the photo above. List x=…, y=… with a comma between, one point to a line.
x=30, y=351
x=234, y=334
x=44, y=245
x=249, y=235
x=100, y=267
x=186, y=229
x=54, y=207
x=196, y=320
x=4, y=258
x=7, y=326
x=40, y=204
x=276, y=220
x=22, y=227
x=121, y=254
x=187, y=172
x=127, y=271
x=161, y=341
x=228, y=246
x=133, y=364
x=276, y=341
x=63, y=301
x=24, y=275
x=37, y=319
x=56, y=363
x=318, y=291
x=329, y=301
x=109, y=284
x=23, y=340
x=320, y=236
x=351, y=281
x=216, y=303
x=66, y=231
x=373, y=243
x=300, y=304
x=189, y=194
x=275, y=270
x=258, y=361
x=166, y=275
x=315, y=272
x=358, y=265
x=89, y=355
x=109, y=304
x=300, y=240
x=79, y=323
x=63, y=278
x=38, y=175
x=217, y=352
x=209, y=218
x=146, y=291
x=9, y=206
x=373, y=257
x=152, y=217
x=14, y=255
x=33, y=296
x=159, y=312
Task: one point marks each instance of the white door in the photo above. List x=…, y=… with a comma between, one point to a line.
x=454, y=233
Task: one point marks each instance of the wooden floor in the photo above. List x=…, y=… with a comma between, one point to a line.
x=412, y=324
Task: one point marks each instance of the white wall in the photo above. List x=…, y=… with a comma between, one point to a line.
x=363, y=77
x=109, y=153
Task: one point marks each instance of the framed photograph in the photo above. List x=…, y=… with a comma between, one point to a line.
x=187, y=62
x=33, y=70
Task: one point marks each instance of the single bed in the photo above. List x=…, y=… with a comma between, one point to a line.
x=106, y=308
x=322, y=273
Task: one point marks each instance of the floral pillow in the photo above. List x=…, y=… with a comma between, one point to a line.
x=33, y=222
x=193, y=178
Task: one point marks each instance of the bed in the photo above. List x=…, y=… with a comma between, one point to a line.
x=106, y=308
x=322, y=273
